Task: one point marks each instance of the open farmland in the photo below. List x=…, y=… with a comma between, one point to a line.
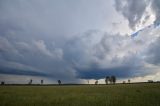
x=147, y=94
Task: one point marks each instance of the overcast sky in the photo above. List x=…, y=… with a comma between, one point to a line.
x=79, y=40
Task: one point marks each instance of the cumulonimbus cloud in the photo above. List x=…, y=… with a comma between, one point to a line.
x=29, y=48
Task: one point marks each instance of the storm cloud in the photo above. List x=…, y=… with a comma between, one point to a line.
x=74, y=40
x=138, y=12
x=133, y=10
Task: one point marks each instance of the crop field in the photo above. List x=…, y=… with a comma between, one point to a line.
x=146, y=94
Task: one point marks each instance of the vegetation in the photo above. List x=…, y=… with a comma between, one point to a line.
x=2, y=83
x=111, y=79
x=96, y=82
x=59, y=82
x=41, y=81
x=147, y=94
x=30, y=82
x=107, y=79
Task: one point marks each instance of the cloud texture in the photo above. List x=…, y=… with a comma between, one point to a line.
x=138, y=12
x=42, y=39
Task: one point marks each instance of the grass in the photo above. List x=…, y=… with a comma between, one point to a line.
x=147, y=94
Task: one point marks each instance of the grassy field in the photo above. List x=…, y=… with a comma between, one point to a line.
x=147, y=94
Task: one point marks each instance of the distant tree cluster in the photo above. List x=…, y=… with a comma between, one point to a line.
x=110, y=80
x=2, y=83
x=129, y=81
x=96, y=82
x=124, y=82
x=30, y=82
x=150, y=81
x=59, y=82
x=41, y=82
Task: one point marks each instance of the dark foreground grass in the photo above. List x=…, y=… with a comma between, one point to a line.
x=81, y=95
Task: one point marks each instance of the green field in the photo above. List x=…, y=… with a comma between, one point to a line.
x=147, y=94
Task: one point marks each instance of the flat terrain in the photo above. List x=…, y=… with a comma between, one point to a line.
x=147, y=94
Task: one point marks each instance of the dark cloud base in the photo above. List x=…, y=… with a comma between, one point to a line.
x=22, y=72
x=98, y=73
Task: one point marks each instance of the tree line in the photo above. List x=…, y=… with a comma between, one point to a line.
x=108, y=80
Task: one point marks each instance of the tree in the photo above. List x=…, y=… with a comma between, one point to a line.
x=113, y=79
x=129, y=80
x=88, y=81
x=41, y=81
x=107, y=79
x=150, y=81
x=30, y=82
x=2, y=83
x=96, y=82
x=124, y=82
x=110, y=80
x=59, y=82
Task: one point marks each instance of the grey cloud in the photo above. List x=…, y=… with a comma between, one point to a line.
x=40, y=38
x=109, y=54
x=92, y=54
x=153, y=53
x=35, y=54
x=98, y=73
x=51, y=18
x=132, y=10
x=156, y=9
x=23, y=72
